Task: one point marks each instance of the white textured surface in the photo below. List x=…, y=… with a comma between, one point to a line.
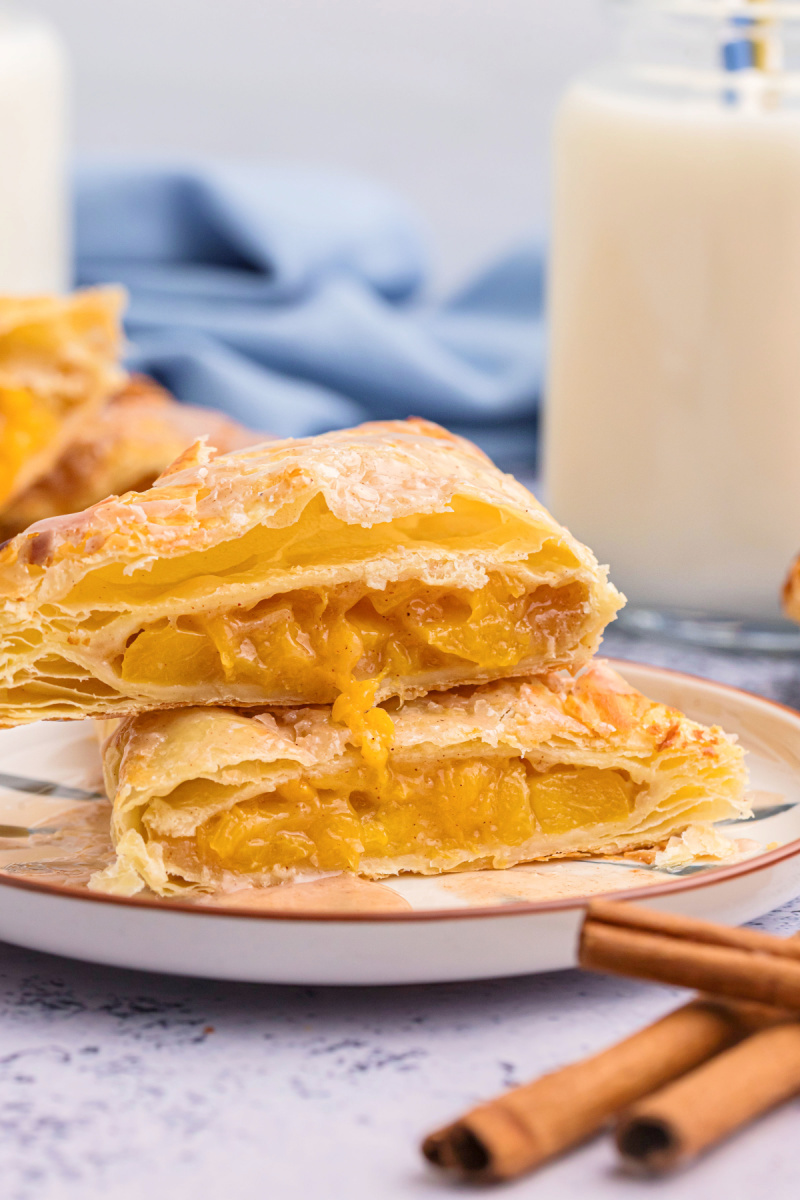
x=119, y=1084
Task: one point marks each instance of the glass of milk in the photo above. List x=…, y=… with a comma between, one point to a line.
x=34, y=211
x=672, y=429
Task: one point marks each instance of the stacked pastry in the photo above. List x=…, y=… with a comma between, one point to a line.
x=366, y=652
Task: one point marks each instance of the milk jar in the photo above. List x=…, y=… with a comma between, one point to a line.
x=34, y=214
x=672, y=429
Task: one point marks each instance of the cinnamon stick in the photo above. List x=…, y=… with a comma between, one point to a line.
x=527, y=1126
x=523, y=1128
x=674, y=1125
x=737, y=963
x=634, y=916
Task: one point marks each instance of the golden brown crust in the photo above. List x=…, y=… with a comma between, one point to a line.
x=369, y=478
x=134, y=437
x=791, y=592
x=369, y=475
x=595, y=719
x=59, y=362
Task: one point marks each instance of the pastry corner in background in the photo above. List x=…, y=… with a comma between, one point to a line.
x=137, y=433
x=59, y=364
x=790, y=594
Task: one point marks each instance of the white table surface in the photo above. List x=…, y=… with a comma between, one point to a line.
x=117, y=1084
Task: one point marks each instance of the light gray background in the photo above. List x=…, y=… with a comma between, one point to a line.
x=447, y=101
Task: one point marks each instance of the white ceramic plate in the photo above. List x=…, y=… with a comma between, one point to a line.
x=410, y=929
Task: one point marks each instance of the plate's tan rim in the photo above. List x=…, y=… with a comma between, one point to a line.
x=673, y=887
x=523, y=908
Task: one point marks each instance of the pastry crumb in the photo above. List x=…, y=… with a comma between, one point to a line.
x=119, y=879
x=697, y=842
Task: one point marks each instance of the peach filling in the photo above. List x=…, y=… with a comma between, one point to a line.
x=471, y=807
x=335, y=645
x=309, y=644
x=27, y=425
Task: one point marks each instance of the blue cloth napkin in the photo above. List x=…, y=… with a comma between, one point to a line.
x=294, y=299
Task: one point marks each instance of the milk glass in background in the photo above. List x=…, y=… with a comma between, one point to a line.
x=672, y=442
x=34, y=225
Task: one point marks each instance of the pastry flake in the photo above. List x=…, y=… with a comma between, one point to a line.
x=58, y=365
x=387, y=560
x=134, y=437
x=490, y=776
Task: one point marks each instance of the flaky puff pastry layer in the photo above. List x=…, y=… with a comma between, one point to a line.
x=270, y=575
x=176, y=778
x=135, y=436
x=59, y=362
